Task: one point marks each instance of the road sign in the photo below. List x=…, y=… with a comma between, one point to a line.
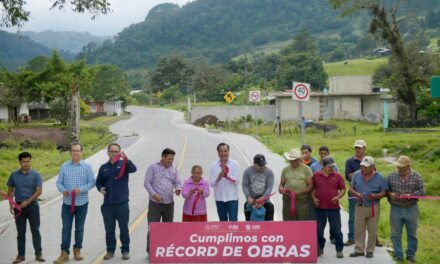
x=435, y=87
x=159, y=94
x=254, y=96
x=229, y=97
x=301, y=91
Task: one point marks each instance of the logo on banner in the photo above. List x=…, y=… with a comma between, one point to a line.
x=233, y=242
x=301, y=91
x=254, y=96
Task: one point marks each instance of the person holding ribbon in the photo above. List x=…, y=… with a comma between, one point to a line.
x=256, y=209
x=26, y=185
x=295, y=185
x=258, y=180
x=328, y=189
x=112, y=183
x=404, y=183
x=75, y=180
x=367, y=186
x=162, y=181
x=195, y=191
x=225, y=179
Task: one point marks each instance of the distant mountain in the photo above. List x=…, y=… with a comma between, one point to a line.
x=219, y=30
x=71, y=41
x=16, y=50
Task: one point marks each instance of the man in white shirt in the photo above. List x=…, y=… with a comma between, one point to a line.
x=225, y=179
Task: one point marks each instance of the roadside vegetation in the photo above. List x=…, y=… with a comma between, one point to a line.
x=423, y=147
x=46, y=159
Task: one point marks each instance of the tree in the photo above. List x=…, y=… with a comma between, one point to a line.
x=12, y=93
x=108, y=83
x=13, y=12
x=302, y=42
x=208, y=80
x=385, y=23
x=302, y=67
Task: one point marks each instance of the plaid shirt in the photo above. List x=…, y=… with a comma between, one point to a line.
x=73, y=176
x=412, y=186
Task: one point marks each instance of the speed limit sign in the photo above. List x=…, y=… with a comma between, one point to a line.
x=301, y=91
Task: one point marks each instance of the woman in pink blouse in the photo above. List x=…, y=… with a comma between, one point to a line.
x=195, y=190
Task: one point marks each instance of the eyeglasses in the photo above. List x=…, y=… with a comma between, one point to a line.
x=113, y=151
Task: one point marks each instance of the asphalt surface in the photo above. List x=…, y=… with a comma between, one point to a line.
x=143, y=137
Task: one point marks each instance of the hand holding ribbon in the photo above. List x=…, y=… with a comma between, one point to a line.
x=116, y=158
x=225, y=170
x=72, y=199
x=292, y=201
x=196, y=200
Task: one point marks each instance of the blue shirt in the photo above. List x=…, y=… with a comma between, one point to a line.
x=317, y=166
x=76, y=176
x=257, y=214
x=25, y=185
x=351, y=165
x=376, y=184
x=116, y=190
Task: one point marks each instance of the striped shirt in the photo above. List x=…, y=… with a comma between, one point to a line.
x=76, y=176
x=412, y=186
x=163, y=181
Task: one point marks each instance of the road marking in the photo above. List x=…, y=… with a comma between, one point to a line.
x=143, y=215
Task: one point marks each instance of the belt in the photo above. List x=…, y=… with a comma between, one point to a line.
x=363, y=205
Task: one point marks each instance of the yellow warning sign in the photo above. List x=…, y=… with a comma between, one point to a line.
x=159, y=94
x=229, y=97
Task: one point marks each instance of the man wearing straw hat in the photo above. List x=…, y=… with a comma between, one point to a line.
x=404, y=211
x=296, y=182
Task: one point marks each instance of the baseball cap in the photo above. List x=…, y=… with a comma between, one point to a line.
x=403, y=161
x=328, y=161
x=367, y=161
x=260, y=159
x=360, y=143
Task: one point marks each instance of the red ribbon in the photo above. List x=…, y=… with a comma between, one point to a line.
x=419, y=197
x=292, y=201
x=196, y=201
x=73, y=198
x=15, y=205
x=124, y=163
x=226, y=171
x=265, y=198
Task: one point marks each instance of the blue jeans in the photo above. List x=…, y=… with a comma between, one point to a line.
x=351, y=213
x=398, y=218
x=112, y=213
x=227, y=211
x=66, y=233
x=31, y=213
x=334, y=219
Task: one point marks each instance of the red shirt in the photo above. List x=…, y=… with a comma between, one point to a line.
x=327, y=187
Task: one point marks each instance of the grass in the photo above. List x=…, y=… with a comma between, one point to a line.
x=354, y=67
x=46, y=159
x=422, y=147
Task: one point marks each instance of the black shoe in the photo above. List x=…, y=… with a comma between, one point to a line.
x=411, y=259
x=333, y=241
x=378, y=244
x=369, y=255
x=320, y=252
x=399, y=259
x=349, y=243
x=356, y=254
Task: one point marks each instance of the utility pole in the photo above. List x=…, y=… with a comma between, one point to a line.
x=74, y=115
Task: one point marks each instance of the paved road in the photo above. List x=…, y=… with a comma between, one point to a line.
x=143, y=137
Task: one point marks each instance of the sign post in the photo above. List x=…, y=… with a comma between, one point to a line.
x=255, y=97
x=300, y=93
x=229, y=98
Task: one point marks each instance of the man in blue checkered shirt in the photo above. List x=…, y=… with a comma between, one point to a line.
x=74, y=181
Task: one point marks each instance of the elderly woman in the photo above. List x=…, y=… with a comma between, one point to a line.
x=296, y=181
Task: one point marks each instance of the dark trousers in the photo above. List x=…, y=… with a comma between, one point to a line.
x=31, y=213
x=120, y=213
x=351, y=213
x=156, y=213
x=334, y=218
x=227, y=211
x=66, y=233
x=269, y=211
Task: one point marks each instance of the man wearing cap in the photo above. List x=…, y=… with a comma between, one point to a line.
x=329, y=188
x=296, y=178
x=224, y=178
x=368, y=186
x=404, y=211
x=258, y=180
x=352, y=165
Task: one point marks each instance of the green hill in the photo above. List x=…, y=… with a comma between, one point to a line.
x=354, y=67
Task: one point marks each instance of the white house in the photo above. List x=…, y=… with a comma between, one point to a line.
x=113, y=108
x=7, y=111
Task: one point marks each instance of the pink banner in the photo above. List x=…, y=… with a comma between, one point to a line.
x=226, y=242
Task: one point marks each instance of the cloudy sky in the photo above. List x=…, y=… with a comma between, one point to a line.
x=125, y=13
